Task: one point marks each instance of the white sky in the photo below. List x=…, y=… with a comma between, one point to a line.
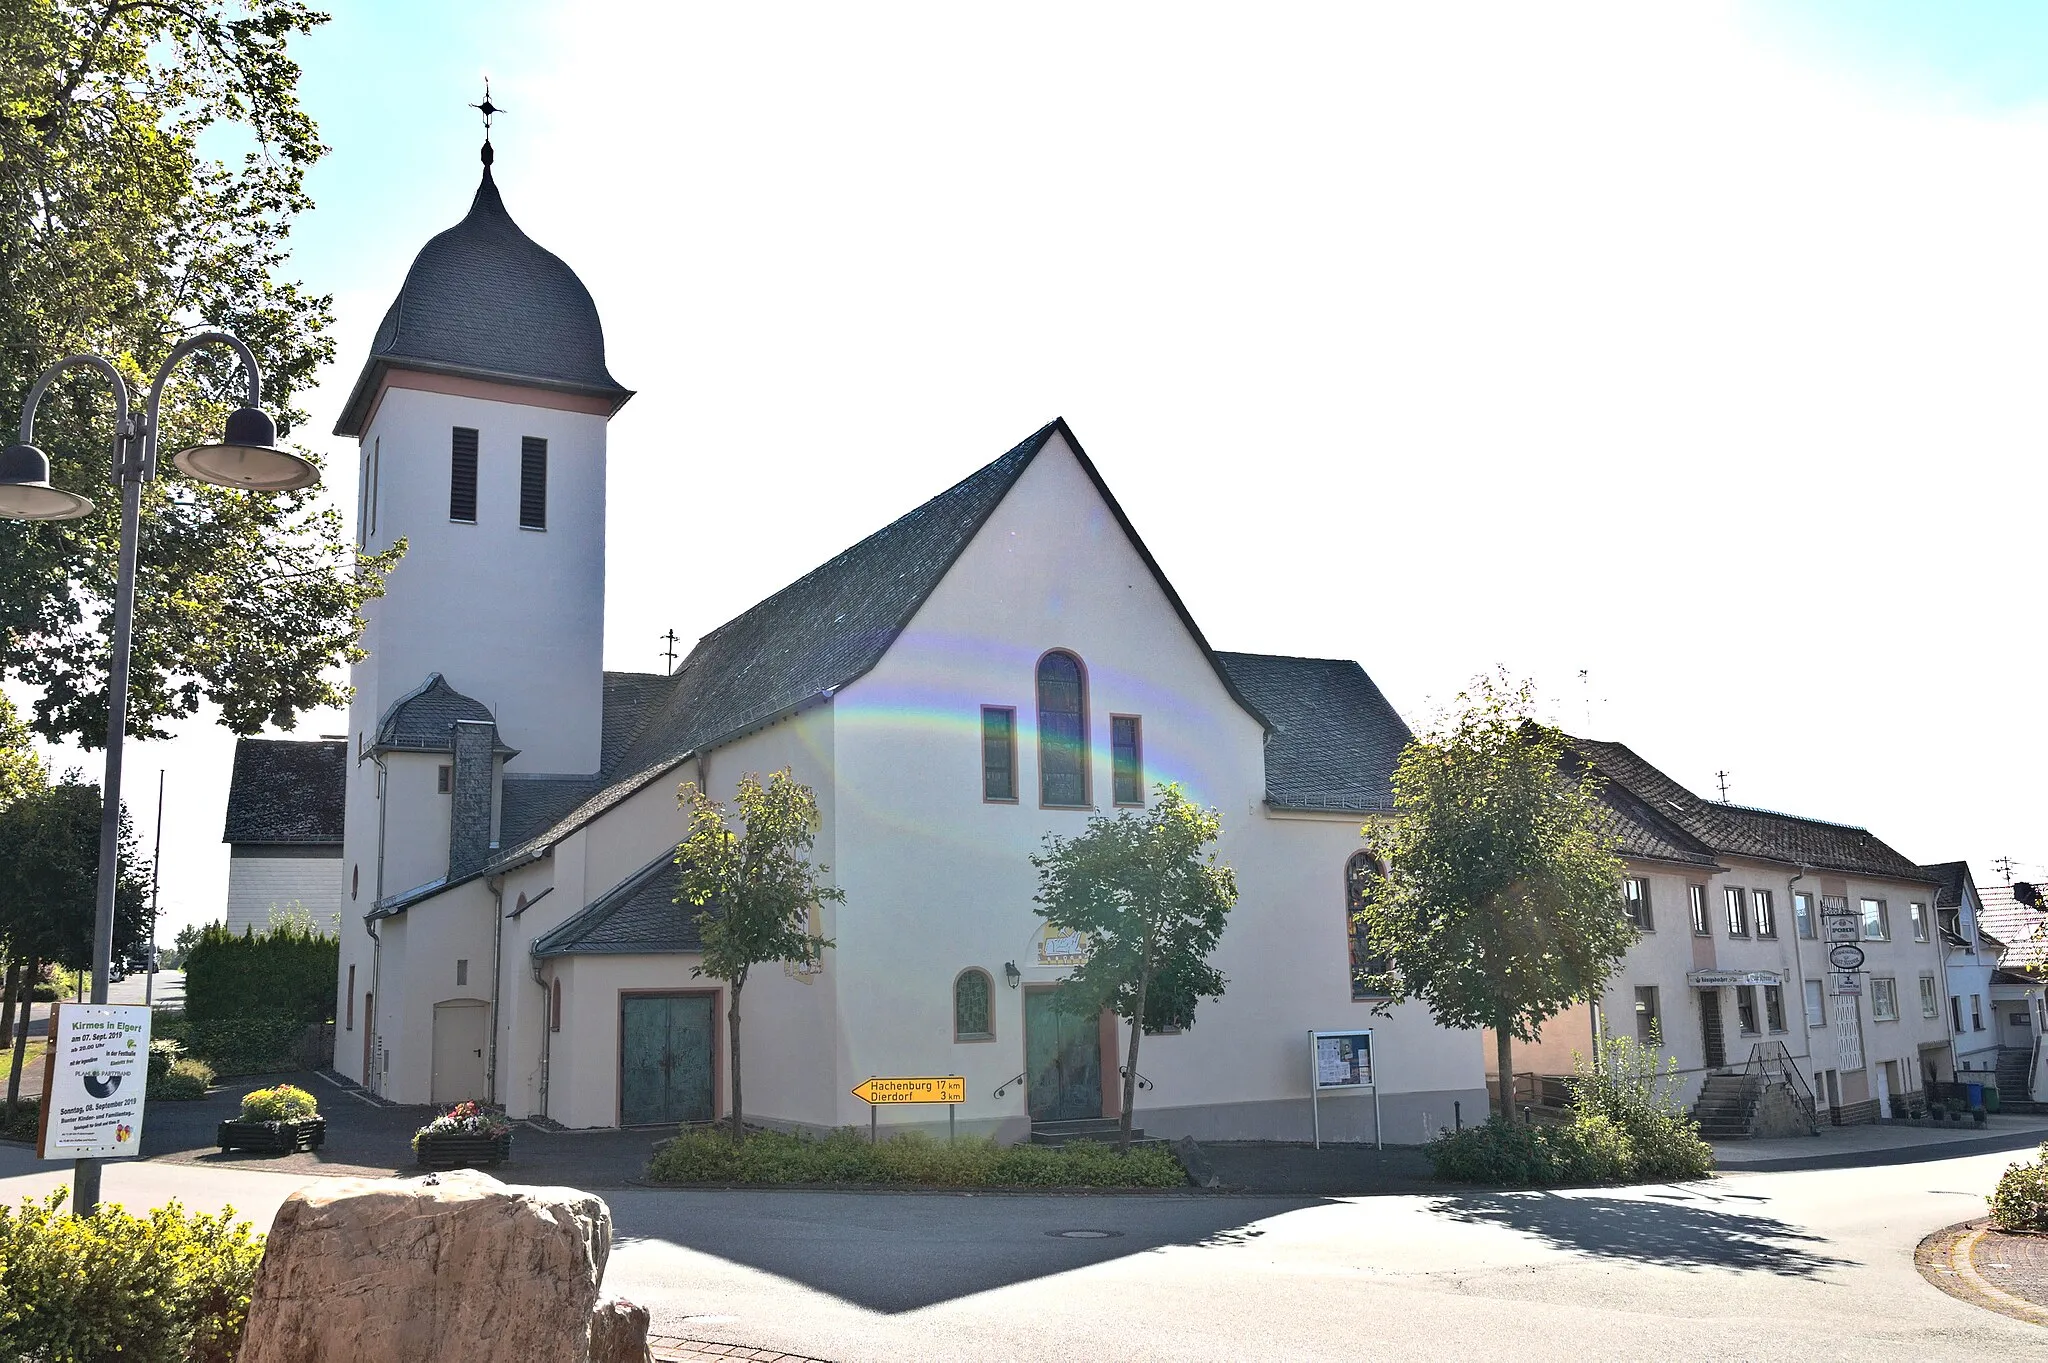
x=1694, y=351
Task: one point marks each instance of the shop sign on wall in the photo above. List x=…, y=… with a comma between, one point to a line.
x=95, y=1075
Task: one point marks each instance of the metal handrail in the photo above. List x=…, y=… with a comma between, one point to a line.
x=1009, y=1084
x=1123, y=1072
x=1769, y=1060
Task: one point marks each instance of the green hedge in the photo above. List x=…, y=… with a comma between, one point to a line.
x=2020, y=1202
x=254, y=1045
x=172, y=1287
x=845, y=1156
x=20, y=1123
x=287, y=974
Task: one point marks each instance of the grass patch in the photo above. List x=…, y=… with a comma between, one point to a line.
x=912, y=1159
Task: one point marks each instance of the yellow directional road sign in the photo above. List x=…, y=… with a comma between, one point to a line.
x=946, y=1090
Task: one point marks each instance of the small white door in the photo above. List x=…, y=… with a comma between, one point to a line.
x=1884, y=1075
x=459, y=1037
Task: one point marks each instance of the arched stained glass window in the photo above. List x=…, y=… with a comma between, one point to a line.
x=1062, y=731
x=973, y=1006
x=1369, y=968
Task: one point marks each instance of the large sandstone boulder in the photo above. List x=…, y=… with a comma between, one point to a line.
x=449, y=1268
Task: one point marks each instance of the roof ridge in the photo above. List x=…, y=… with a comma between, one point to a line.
x=1782, y=814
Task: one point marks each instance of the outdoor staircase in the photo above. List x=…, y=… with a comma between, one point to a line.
x=1101, y=1130
x=1727, y=1105
x=2013, y=1065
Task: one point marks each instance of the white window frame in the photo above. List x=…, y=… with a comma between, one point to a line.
x=1883, y=918
x=1816, y=1000
x=1803, y=915
x=1884, y=989
x=1930, y=998
x=1917, y=913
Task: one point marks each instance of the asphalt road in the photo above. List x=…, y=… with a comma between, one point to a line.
x=1796, y=1265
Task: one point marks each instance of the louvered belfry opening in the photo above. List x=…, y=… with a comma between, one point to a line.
x=533, y=483
x=462, y=476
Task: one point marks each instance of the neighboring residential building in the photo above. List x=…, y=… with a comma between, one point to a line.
x=997, y=665
x=2017, y=1012
x=1730, y=970
x=1971, y=961
x=284, y=831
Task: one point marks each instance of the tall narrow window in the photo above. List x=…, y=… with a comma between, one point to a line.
x=1369, y=967
x=1649, y=1028
x=462, y=476
x=1802, y=913
x=1698, y=894
x=1816, y=1005
x=1766, y=912
x=533, y=483
x=1635, y=902
x=1126, y=762
x=555, y=1006
x=351, y=997
x=972, y=992
x=1745, y=1009
x=462, y=972
x=1062, y=732
x=1877, y=921
x=1918, y=914
x=1774, y=1007
x=1930, y=1006
x=1738, y=912
x=998, y=753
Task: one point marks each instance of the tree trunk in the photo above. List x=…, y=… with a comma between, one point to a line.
x=1504, y=1059
x=21, y=1034
x=7, y=1004
x=732, y=1030
x=1123, y=1141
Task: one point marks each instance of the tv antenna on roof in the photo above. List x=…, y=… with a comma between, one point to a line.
x=670, y=652
x=1722, y=777
x=2003, y=866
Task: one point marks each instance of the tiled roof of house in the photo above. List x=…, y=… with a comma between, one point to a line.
x=424, y=718
x=637, y=917
x=1334, y=739
x=484, y=300
x=1761, y=834
x=1950, y=876
x=2022, y=927
x=287, y=790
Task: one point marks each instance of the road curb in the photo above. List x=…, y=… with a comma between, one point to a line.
x=1946, y=1259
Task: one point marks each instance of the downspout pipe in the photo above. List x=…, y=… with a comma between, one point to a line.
x=496, y=885
x=1799, y=970
x=374, y=1081
x=547, y=1026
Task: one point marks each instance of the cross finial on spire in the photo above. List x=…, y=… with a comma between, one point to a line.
x=487, y=109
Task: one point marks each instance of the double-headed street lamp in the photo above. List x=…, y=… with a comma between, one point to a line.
x=245, y=457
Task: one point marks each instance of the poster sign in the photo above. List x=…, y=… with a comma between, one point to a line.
x=1715, y=979
x=97, y=1070
x=1343, y=1060
x=1843, y=985
x=1061, y=946
x=1844, y=929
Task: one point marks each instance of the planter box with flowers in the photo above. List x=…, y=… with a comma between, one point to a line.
x=466, y=1136
x=276, y=1121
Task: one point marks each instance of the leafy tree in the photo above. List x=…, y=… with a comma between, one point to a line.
x=21, y=771
x=1151, y=900
x=1501, y=902
x=754, y=890
x=187, y=938
x=49, y=877
x=121, y=238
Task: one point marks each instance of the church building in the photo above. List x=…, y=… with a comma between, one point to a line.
x=1002, y=662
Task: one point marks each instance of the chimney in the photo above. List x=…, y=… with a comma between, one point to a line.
x=469, y=823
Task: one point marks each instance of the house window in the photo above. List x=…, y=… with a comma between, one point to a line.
x=1127, y=774
x=1062, y=732
x=1976, y=1012
x=1955, y=1012
x=1369, y=968
x=350, y=995
x=1738, y=912
x=998, y=753
x=444, y=780
x=1930, y=1002
x=972, y=993
x=1884, y=998
x=1745, y=1008
x=555, y=1006
x=1802, y=913
x=533, y=483
x=1774, y=1007
x=1649, y=1030
x=1766, y=913
x=355, y=880
x=1635, y=902
x=462, y=972
x=1699, y=909
x=1816, y=1005
x=1918, y=914
x=1877, y=921
x=462, y=476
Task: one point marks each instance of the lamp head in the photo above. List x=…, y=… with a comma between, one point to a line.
x=25, y=491
x=247, y=457
x=1011, y=975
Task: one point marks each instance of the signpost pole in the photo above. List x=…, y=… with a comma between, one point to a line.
x=1315, y=1093
x=871, y=1121
x=950, y=1135
x=1379, y=1140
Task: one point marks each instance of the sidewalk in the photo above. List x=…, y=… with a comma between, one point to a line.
x=1847, y=1147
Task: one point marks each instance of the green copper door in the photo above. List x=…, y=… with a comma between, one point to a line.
x=1063, y=1061
x=666, y=1058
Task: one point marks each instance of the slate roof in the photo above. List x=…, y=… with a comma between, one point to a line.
x=637, y=917
x=2023, y=928
x=1738, y=830
x=1334, y=738
x=424, y=718
x=287, y=791
x=1949, y=875
x=484, y=300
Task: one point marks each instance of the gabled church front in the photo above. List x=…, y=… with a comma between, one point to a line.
x=1003, y=662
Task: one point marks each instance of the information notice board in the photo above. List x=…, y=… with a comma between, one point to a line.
x=94, y=1078
x=1341, y=1060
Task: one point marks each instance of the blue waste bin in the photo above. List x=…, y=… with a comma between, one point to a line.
x=1976, y=1096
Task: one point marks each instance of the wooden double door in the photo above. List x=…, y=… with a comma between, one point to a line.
x=668, y=1058
x=1062, y=1061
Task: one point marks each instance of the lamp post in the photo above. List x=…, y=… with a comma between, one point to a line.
x=246, y=457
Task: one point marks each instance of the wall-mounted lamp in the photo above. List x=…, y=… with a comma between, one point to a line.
x=1011, y=974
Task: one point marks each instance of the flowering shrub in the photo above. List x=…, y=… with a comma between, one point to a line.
x=465, y=1119
x=281, y=1104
